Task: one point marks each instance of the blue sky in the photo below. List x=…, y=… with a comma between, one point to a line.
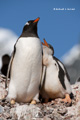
x=59, y=28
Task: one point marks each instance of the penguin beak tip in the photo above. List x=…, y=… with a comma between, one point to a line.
x=36, y=20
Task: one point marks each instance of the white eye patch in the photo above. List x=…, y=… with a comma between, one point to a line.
x=27, y=23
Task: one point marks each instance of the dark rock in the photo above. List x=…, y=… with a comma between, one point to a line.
x=62, y=111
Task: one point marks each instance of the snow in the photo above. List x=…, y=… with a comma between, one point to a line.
x=7, y=41
x=72, y=55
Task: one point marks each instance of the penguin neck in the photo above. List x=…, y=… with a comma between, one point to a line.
x=29, y=33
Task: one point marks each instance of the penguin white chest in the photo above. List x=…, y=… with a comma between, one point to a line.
x=26, y=69
x=52, y=81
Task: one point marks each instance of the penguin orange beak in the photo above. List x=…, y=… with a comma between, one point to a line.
x=36, y=20
x=45, y=43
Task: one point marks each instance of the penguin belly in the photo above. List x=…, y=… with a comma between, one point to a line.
x=26, y=70
x=52, y=87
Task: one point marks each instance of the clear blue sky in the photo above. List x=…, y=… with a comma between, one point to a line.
x=59, y=28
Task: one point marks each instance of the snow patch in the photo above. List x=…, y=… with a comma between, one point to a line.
x=7, y=41
x=70, y=57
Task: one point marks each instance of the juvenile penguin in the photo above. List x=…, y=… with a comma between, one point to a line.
x=26, y=65
x=56, y=81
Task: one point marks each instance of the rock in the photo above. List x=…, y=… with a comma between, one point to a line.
x=3, y=93
x=1, y=109
x=26, y=111
x=62, y=110
x=54, y=110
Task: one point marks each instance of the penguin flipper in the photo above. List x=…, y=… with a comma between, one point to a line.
x=43, y=76
x=9, y=67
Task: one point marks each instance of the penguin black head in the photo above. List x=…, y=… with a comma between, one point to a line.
x=48, y=48
x=30, y=28
x=51, y=47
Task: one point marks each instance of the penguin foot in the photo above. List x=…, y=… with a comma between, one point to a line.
x=12, y=102
x=33, y=102
x=67, y=99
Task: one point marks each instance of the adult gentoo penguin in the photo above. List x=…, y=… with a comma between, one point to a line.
x=56, y=81
x=26, y=65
